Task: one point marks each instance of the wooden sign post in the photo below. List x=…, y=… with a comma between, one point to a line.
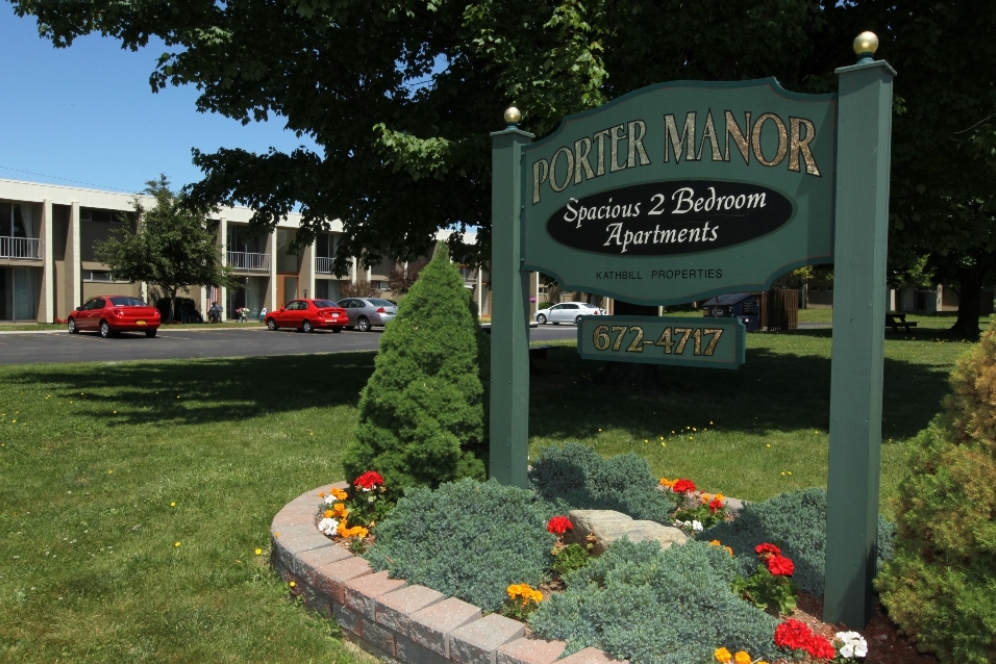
x=686, y=190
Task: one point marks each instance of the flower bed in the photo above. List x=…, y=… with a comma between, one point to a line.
x=696, y=586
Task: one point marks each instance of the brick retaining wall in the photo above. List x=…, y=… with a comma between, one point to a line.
x=390, y=618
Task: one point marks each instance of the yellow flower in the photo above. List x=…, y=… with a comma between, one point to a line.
x=176, y=544
x=292, y=584
x=536, y=596
x=719, y=496
x=259, y=552
x=722, y=655
x=741, y=658
x=172, y=504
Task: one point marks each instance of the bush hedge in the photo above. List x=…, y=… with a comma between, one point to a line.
x=941, y=586
x=575, y=476
x=650, y=606
x=797, y=522
x=422, y=411
x=467, y=539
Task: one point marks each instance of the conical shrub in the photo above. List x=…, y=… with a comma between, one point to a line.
x=422, y=416
x=941, y=586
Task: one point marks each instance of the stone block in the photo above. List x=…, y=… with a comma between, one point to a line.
x=294, y=531
x=478, y=642
x=379, y=637
x=392, y=609
x=410, y=652
x=530, y=650
x=431, y=626
x=610, y=526
x=331, y=579
x=349, y=621
x=591, y=656
x=362, y=592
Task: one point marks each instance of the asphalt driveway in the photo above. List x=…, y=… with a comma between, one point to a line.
x=32, y=347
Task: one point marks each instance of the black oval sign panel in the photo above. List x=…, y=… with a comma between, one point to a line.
x=668, y=218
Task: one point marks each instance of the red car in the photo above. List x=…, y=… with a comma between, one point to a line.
x=113, y=314
x=308, y=315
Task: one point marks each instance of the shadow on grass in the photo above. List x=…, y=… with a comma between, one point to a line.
x=204, y=390
x=770, y=392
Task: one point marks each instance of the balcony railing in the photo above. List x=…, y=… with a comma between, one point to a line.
x=323, y=265
x=20, y=247
x=250, y=262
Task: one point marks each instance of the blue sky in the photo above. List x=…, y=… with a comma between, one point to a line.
x=86, y=116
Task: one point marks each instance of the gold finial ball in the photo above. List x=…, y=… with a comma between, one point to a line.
x=866, y=42
x=512, y=115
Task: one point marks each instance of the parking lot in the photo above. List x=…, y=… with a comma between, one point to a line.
x=32, y=347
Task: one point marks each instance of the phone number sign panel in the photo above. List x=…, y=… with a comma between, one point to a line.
x=719, y=343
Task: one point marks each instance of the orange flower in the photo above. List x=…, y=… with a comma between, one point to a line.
x=328, y=514
x=339, y=494
x=722, y=656
x=665, y=482
x=741, y=658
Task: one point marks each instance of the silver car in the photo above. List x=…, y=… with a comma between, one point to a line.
x=367, y=312
x=566, y=312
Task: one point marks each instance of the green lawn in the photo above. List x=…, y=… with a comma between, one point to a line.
x=92, y=457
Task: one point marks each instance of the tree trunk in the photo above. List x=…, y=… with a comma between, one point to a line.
x=172, y=304
x=632, y=374
x=970, y=280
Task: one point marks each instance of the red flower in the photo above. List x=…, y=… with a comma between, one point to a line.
x=792, y=634
x=683, y=486
x=369, y=480
x=767, y=548
x=780, y=566
x=715, y=505
x=820, y=648
x=559, y=525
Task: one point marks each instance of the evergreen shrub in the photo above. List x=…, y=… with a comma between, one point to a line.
x=941, y=586
x=650, y=606
x=797, y=522
x=575, y=476
x=468, y=539
x=422, y=412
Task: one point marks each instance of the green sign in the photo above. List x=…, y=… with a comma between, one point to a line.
x=682, y=191
x=719, y=343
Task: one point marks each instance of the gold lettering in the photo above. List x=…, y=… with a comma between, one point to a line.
x=673, y=141
x=636, y=144
x=599, y=136
x=582, y=148
x=618, y=134
x=541, y=170
x=710, y=133
x=569, y=156
x=739, y=137
x=782, y=140
x=799, y=144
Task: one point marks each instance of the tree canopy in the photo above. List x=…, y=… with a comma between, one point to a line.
x=174, y=246
x=400, y=95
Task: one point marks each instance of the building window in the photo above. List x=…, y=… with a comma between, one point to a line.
x=101, y=216
x=101, y=275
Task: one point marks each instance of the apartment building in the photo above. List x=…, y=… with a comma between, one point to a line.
x=48, y=267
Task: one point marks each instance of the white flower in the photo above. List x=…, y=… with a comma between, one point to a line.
x=328, y=526
x=697, y=527
x=854, y=644
x=329, y=499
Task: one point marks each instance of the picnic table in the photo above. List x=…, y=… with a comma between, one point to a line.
x=896, y=319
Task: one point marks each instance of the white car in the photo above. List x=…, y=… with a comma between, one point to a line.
x=567, y=312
